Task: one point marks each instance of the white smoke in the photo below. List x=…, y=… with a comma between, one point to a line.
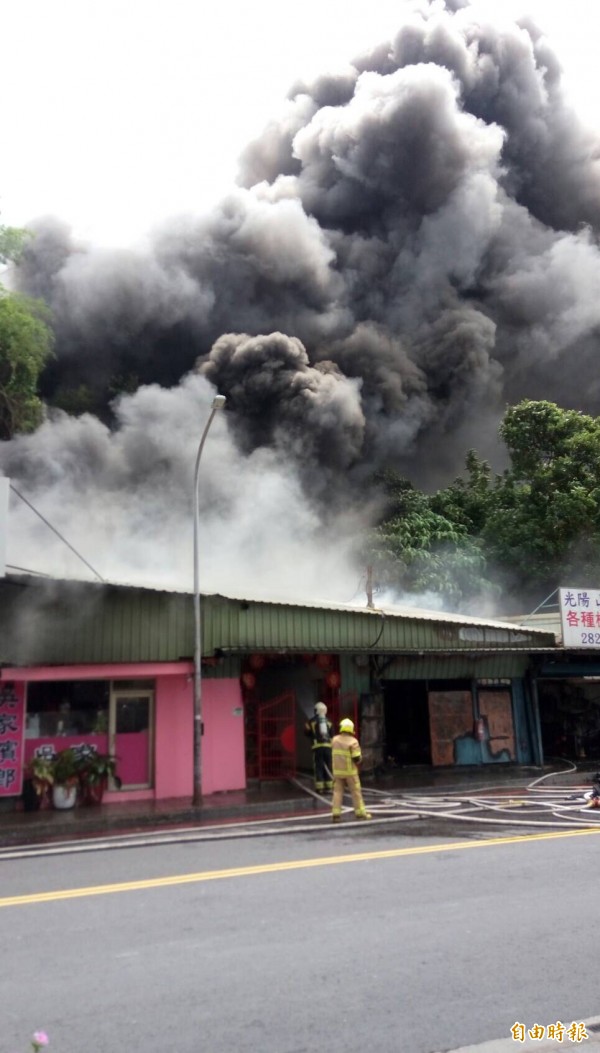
x=123, y=498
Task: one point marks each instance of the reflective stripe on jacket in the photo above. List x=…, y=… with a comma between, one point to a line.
x=310, y=729
x=345, y=751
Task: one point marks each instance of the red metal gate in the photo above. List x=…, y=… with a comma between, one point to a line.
x=277, y=737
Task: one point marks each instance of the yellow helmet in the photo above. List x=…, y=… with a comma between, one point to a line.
x=347, y=725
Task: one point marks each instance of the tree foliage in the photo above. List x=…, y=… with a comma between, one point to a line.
x=546, y=510
x=418, y=548
x=25, y=345
x=524, y=531
x=12, y=243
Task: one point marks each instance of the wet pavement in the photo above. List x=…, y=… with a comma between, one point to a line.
x=47, y=824
x=292, y=798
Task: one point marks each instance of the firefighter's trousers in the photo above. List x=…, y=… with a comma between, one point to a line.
x=322, y=767
x=352, y=784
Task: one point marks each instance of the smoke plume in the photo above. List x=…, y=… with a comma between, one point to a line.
x=412, y=245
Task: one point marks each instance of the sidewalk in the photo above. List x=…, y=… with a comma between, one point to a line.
x=260, y=801
x=48, y=824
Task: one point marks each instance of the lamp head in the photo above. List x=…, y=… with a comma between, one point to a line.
x=218, y=402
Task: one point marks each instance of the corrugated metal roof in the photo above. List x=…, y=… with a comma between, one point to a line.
x=418, y=613
x=242, y=625
x=547, y=620
x=64, y=622
x=395, y=611
x=61, y=623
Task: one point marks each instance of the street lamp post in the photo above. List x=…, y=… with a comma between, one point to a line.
x=217, y=403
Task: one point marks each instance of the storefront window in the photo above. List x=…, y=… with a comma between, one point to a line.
x=62, y=708
x=110, y=717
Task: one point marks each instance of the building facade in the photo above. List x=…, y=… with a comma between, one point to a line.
x=110, y=667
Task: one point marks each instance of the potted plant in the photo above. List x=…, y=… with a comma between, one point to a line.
x=39, y=777
x=65, y=772
x=95, y=770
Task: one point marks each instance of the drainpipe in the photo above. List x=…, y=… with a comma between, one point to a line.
x=369, y=587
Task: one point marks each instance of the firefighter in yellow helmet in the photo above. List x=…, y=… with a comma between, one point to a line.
x=346, y=758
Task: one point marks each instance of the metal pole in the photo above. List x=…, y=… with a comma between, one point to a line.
x=543, y=603
x=217, y=404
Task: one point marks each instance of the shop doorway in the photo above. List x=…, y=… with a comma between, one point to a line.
x=265, y=679
x=570, y=718
x=406, y=721
x=130, y=723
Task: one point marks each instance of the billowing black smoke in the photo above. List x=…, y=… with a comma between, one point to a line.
x=413, y=244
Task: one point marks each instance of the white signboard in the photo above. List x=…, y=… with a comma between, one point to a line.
x=4, y=487
x=580, y=617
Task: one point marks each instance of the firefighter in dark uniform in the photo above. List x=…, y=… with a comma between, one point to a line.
x=320, y=730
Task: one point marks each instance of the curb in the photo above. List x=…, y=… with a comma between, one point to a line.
x=77, y=825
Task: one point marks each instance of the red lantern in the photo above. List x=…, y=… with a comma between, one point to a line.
x=249, y=681
x=256, y=661
x=323, y=661
x=333, y=680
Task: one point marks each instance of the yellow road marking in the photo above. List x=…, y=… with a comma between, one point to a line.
x=274, y=868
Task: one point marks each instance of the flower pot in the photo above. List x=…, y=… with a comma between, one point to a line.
x=93, y=792
x=64, y=796
x=32, y=800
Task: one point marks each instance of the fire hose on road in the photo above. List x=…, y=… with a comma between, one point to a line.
x=532, y=806
x=535, y=805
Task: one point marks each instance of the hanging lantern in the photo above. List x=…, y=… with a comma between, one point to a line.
x=257, y=661
x=249, y=681
x=323, y=661
x=333, y=680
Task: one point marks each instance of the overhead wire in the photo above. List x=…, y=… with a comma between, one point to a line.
x=55, y=531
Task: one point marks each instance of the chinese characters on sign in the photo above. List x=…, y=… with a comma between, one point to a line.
x=81, y=751
x=11, y=738
x=580, y=617
x=558, y=1032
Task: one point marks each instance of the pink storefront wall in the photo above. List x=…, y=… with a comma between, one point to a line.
x=223, y=751
x=222, y=756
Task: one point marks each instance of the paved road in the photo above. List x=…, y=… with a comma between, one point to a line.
x=340, y=942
